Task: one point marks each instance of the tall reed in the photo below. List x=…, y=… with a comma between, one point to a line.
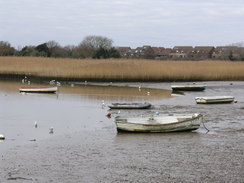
x=122, y=69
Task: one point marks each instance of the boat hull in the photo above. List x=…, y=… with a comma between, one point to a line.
x=214, y=100
x=130, y=105
x=188, y=88
x=39, y=89
x=172, y=125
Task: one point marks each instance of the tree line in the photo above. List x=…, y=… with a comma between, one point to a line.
x=98, y=47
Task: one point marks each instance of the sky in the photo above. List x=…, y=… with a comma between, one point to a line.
x=133, y=23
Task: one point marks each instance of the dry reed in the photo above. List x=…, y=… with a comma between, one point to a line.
x=122, y=69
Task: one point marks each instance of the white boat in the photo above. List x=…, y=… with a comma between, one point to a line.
x=159, y=123
x=214, y=99
x=144, y=105
x=38, y=89
x=188, y=87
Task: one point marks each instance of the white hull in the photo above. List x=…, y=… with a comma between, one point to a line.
x=214, y=99
x=159, y=123
x=39, y=89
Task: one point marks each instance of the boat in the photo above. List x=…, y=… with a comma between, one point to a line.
x=159, y=123
x=188, y=87
x=38, y=89
x=214, y=99
x=144, y=105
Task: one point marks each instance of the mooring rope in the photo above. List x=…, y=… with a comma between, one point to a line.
x=205, y=126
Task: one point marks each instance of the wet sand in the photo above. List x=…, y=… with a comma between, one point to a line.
x=86, y=147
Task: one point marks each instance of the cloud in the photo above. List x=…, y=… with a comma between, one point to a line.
x=127, y=22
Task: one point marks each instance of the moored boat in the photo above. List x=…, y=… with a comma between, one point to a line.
x=159, y=123
x=188, y=87
x=214, y=99
x=38, y=89
x=144, y=105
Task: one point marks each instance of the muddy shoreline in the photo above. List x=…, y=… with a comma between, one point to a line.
x=88, y=148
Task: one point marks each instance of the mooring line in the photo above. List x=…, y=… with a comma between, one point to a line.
x=205, y=126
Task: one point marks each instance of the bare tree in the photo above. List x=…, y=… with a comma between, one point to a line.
x=6, y=49
x=90, y=44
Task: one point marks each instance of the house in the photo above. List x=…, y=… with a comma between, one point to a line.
x=201, y=53
x=161, y=53
x=125, y=52
x=180, y=52
x=228, y=53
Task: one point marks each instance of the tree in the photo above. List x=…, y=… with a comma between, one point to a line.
x=6, y=49
x=91, y=44
x=43, y=50
x=54, y=49
x=103, y=53
x=29, y=51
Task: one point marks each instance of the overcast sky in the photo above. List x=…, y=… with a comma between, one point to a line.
x=131, y=23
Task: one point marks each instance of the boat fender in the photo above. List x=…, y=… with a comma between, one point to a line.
x=108, y=115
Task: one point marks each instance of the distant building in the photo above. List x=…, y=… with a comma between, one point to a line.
x=124, y=51
x=228, y=53
x=201, y=53
x=181, y=52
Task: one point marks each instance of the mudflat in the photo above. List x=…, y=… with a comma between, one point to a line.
x=85, y=146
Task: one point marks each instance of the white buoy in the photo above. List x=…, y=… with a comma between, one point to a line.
x=35, y=124
x=51, y=130
x=2, y=137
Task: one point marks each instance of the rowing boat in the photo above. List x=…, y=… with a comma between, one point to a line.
x=38, y=89
x=188, y=87
x=159, y=123
x=144, y=105
x=214, y=99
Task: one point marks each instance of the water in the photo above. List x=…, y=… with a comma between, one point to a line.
x=85, y=146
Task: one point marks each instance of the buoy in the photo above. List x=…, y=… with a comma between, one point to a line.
x=108, y=115
x=51, y=130
x=2, y=137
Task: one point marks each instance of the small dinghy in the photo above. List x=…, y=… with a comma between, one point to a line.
x=188, y=87
x=145, y=105
x=39, y=89
x=214, y=99
x=159, y=123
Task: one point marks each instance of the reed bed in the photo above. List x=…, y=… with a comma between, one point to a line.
x=121, y=69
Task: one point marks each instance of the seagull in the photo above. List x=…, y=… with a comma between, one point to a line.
x=35, y=124
x=103, y=104
x=51, y=130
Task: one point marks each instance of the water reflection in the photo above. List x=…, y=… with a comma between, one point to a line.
x=113, y=93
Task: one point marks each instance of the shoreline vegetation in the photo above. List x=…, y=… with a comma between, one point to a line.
x=124, y=70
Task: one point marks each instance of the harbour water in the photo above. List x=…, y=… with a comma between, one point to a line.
x=85, y=146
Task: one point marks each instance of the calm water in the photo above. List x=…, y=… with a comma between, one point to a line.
x=85, y=146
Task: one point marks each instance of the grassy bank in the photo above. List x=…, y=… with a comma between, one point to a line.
x=121, y=70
